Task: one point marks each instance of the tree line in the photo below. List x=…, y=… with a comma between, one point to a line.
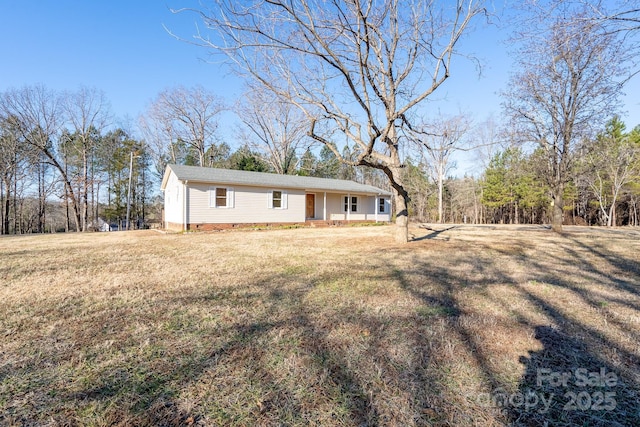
x=603, y=186
x=364, y=73
x=339, y=92
x=63, y=169
x=64, y=166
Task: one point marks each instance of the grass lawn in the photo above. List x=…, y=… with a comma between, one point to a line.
x=464, y=326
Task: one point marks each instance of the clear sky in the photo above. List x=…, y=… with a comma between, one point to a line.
x=122, y=48
x=117, y=46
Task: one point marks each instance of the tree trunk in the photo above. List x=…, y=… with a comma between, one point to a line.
x=15, y=205
x=44, y=200
x=475, y=206
x=401, y=202
x=7, y=205
x=440, y=194
x=557, y=211
x=95, y=202
x=85, y=191
x=66, y=193
x=66, y=206
x=612, y=215
x=402, y=217
x=41, y=198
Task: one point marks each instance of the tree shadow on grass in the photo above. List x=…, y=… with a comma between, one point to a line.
x=293, y=353
x=434, y=233
x=584, y=374
x=350, y=366
x=566, y=384
x=574, y=346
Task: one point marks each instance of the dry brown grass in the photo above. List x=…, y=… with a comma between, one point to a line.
x=335, y=326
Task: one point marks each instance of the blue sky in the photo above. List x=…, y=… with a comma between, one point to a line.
x=122, y=48
x=119, y=47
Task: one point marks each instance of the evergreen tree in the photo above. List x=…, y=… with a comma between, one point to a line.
x=308, y=164
x=246, y=160
x=328, y=165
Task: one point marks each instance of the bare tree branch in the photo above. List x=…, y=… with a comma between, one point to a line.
x=183, y=116
x=571, y=74
x=355, y=67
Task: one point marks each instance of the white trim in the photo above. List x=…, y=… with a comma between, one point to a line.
x=324, y=207
x=283, y=199
x=375, y=210
x=381, y=202
x=231, y=195
x=349, y=205
x=213, y=197
x=185, y=205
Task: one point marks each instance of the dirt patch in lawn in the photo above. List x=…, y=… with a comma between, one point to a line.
x=465, y=325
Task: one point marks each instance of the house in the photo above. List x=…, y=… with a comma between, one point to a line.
x=197, y=198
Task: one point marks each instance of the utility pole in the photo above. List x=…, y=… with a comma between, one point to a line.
x=128, y=227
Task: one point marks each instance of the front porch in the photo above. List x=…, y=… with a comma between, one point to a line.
x=338, y=209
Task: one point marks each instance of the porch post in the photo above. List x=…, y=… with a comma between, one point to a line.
x=324, y=207
x=375, y=208
x=185, y=206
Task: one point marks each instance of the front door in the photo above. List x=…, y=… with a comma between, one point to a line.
x=311, y=206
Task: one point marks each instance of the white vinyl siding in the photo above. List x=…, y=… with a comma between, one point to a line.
x=173, y=204
x=255, y=205
x=250, y=205
x=221, y=197
x=365, y=209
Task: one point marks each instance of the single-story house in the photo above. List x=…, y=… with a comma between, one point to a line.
x=198, y=198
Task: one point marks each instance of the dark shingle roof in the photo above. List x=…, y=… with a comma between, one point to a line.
x=261, y=179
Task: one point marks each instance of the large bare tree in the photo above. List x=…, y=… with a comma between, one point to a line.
x=37, y=115
x=570, y=73
x=88, y=112
x=12, y=154
x=358, y=69
x=440, y=139
x=611, y=161
x=186, y=116
x=275, y=129
x=616, y=15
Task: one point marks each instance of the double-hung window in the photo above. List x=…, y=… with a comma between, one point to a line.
x=350, y=204
x=221, y=197
x=382, y=205
x=277, y=199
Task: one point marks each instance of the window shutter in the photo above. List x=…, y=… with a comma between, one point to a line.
x=270, y=199
x=212, y=197
x=284, y=200
x=230, y=197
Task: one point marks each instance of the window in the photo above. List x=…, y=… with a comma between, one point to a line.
x=277, y=199
x=382, y=205
x=220, y=197
x=350, y=204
